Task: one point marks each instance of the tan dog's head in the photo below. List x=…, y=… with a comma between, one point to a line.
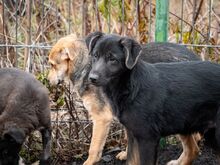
x=63, y=57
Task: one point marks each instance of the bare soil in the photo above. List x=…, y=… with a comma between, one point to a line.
x=169, y=152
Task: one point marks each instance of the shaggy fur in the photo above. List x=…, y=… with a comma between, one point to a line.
x=69, y=59
x=157, y=100
x=24, y=107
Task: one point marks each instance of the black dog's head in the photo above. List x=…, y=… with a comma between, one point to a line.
x=10, y=146
x=111, y=56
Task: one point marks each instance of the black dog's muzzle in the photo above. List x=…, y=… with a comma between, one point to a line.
x=93, y=78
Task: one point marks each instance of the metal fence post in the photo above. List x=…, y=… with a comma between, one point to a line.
x=162, y=10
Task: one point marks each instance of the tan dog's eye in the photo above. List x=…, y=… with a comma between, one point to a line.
x=52, y=65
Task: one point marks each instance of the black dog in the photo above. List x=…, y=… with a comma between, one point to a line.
x=24, y=108
x=154, y=100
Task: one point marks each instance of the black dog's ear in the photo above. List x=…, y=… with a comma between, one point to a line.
x=132, y=51
x=14, y=135
x=91, y=40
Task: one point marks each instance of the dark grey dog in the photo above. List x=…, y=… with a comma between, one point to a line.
x=155, y=100
x=24, y=107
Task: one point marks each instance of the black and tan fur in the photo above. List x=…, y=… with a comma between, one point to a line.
x=154, y=100
x=69, y=59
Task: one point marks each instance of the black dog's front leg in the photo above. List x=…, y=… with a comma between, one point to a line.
x=141, y=151
x=46, y=140
x=148, y=151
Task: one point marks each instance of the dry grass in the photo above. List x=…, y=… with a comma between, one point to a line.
x=71, y=131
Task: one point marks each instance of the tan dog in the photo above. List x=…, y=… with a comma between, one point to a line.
x=69, y=59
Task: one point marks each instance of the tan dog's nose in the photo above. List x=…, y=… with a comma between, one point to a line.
x=52, y=78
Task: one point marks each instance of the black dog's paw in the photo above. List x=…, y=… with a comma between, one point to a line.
x=45, y=162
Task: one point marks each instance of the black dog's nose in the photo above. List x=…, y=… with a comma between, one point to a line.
x=93, y=78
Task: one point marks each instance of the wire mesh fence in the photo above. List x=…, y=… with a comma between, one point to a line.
x=29, y=28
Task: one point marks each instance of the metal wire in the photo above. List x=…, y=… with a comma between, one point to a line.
x=150, y=20
x=16, y=34
x=69, y=19
x=137, y=17
x=181, y=26
x=29, y=55
x=56, y=21
x=3, y=18
x=209, y=22
x=42, y=32
x=96, y=14
x=201, y=45
x=26, y=46
x=109, y=16
x=193, y=19
x=123, y=17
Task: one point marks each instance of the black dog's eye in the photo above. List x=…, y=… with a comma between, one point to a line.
x=113, y=60
x=96, y=55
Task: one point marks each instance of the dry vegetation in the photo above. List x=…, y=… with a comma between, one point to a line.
x=40, y=23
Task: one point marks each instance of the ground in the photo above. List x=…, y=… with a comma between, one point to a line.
x=170, y=151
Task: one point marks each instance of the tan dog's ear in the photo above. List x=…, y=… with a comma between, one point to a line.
x=132, y=51
x=67, y=53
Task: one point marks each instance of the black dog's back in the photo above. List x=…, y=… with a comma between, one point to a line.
x=191, y=91
x=21, y=86
x=166, y=52
x=204, y=75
